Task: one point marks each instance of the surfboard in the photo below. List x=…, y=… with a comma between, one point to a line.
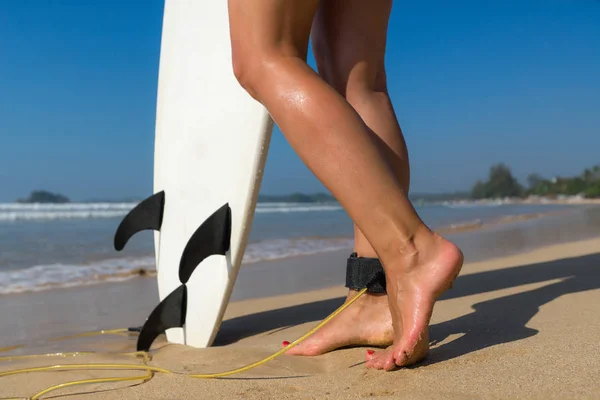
x=211, y=144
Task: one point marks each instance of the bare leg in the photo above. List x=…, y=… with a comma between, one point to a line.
x=269, y=43
x=349, y=39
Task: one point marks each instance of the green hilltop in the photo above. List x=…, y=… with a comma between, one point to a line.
x=43, y=196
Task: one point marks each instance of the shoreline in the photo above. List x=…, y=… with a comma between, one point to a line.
x=560, y=199
x=259, y=282
x=146, y=287
x=503, y=331
x=464, y=233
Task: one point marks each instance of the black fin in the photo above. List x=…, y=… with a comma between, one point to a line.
x=146, y=215
x=212, y=237
x=170, y=313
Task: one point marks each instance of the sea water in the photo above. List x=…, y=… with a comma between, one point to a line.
x=45, y=246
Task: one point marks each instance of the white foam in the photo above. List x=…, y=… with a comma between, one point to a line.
x=285, y=248
x=64, y=206
x=474, y=203
x=44, y=277
x=37, y=211
x=41, y=212
x=466, y=224
x=295, y=207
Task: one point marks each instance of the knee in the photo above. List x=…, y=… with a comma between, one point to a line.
x=258, y=71
x=354, y=78
x=247, y=70
x=366, y=83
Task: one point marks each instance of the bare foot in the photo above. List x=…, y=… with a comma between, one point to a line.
x=414, y=283
x=367, y=322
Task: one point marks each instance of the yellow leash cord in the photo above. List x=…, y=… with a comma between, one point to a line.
x=149, y=369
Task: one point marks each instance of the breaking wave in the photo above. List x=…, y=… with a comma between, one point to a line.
x=41, y=212
x=43, y=277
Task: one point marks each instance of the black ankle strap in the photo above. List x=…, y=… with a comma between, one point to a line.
x=364, y=272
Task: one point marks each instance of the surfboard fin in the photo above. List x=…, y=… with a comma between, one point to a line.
x=170, y=313
x=212, y=237
x=146, y=215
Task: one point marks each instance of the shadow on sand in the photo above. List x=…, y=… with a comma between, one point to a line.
x=496, y=321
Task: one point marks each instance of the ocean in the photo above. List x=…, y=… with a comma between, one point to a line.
x=45, y=246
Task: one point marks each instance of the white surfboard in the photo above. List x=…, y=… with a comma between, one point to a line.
x=211, y=144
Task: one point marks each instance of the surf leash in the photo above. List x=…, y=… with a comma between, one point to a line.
x=143, y=355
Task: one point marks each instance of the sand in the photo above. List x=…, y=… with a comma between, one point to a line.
x=519, y=327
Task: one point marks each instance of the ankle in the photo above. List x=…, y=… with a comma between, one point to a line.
x=425, y=240
x=412, y=247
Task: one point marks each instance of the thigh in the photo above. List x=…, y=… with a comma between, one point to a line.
x=349, y=41
x=262, y=27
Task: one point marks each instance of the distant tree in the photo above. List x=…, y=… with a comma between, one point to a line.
x=534, y=180
x=591, y=177
x=575, y=186
x=596, y=173
x=544, y=188
x=501, y=183
x=593, y=191
x=479, y=190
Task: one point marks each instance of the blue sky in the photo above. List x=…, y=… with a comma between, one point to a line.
x=473, y=83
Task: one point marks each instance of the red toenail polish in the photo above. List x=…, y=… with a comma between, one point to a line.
x=370, y=352
x=285, y=343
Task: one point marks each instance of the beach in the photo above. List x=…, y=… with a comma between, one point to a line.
x=520, y=322
x=185, y=172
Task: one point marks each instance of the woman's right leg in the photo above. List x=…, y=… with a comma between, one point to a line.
x=349, y=43
x=269, y=44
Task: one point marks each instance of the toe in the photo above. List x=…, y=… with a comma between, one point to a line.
x=409, y=353
x=307, y=349
x=400, y=356
x=372, y=358
x=381, y=359
x=389, y=364
x=370, y=355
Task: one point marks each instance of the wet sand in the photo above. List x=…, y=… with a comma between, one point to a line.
x=518, y=326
